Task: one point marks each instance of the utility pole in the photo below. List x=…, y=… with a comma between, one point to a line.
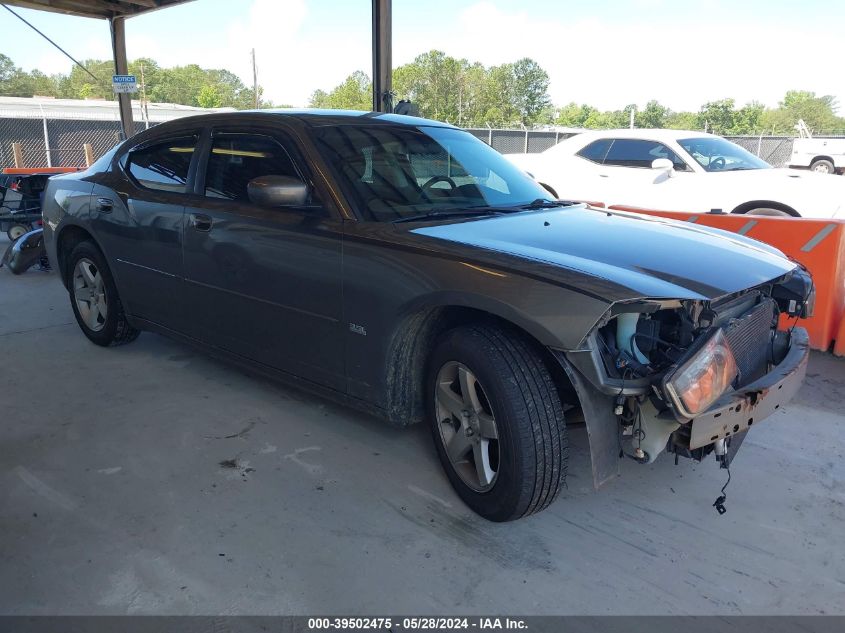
x=144, y=111
x=255, y=81
x=633, y=113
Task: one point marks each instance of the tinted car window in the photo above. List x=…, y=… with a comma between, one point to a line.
x=396, y=172
x=626, y=152
x=596, y=150
x=718, y=154
x=164, y=165
x=238, y=158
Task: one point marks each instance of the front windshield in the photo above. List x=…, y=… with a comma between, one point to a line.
x=396, y=172
x=717, y=154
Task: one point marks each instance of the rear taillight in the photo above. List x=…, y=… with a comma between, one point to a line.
x=15, y=186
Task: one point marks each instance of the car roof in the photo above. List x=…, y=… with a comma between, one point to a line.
x=651, y=134
x=310, y=117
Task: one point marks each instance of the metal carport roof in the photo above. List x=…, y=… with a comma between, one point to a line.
x=103, y=9
x=116, y=12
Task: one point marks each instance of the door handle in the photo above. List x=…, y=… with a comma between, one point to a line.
x=105, y=205
x=201, y=221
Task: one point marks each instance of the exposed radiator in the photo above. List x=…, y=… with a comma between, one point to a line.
x=750, y=337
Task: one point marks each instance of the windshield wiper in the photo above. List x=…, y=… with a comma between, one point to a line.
x=738, y=168
x=542, y=203
x=449, y=213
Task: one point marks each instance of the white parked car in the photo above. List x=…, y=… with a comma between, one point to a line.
x=676, y=170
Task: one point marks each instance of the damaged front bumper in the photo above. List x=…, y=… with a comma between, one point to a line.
x=736, y=411
x=729, y=417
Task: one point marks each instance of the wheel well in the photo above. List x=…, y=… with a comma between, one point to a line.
x=66, y=242
x=407, y=358
x=818, y=158
x=768, y=204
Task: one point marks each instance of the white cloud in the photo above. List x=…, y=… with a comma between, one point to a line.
x=610, y=65
x=597, y=60
x=293, y=58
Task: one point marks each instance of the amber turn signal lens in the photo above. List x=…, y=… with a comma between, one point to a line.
x=704, y=378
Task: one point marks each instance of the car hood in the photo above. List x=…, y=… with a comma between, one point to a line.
x=642, y=256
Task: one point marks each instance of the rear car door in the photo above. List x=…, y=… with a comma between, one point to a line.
x=264, y=283
x=136, y=214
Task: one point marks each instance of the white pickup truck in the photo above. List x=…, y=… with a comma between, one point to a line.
x=824, y=155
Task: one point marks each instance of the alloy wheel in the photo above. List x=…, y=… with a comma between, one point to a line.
x=467, y=426
x=89, y=293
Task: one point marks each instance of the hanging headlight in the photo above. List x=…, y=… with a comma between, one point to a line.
x=701, y=380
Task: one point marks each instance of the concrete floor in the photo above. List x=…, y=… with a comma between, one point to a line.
x=114, y=500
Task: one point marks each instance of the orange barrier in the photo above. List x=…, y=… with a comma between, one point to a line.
x=817, y=244
x=839, y=345
x=26, y=171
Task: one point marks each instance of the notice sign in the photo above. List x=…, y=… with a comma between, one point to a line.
x=124, y=83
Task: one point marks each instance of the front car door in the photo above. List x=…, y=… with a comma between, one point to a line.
x=264, y=283
x=628, y=176
x=136, y=214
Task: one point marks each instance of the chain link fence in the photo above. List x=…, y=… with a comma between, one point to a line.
x=54, y=132
x=58, y=140
x=775, y=150
x=520, y=141
x=53, y=142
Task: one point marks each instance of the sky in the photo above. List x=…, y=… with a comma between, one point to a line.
x=607, y=53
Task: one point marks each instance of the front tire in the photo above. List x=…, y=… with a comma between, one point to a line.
x=94, y=299
x=497, y=422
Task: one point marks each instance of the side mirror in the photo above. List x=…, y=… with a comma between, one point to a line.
x=663, y=165
x=277, y=191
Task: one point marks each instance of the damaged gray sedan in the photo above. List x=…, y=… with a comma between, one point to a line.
x=403, y=267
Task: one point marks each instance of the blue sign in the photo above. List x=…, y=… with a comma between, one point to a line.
x=124, y=83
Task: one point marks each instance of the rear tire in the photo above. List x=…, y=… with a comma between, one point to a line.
x=823, y=166
x=94, y=299
x=496, y=385
x=16, y=231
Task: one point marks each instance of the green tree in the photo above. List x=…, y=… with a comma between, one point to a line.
x=440, y=85
x=717, y=116
x=209, y=97
x=499, y=108
x=15, y=82
x=7, y=69
x=682, y=121
x=573, y=115
x=653, y=115
x=817, y=112
x=530, y=90
x=747, y=120
x=80, y=85
x=355, y=93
